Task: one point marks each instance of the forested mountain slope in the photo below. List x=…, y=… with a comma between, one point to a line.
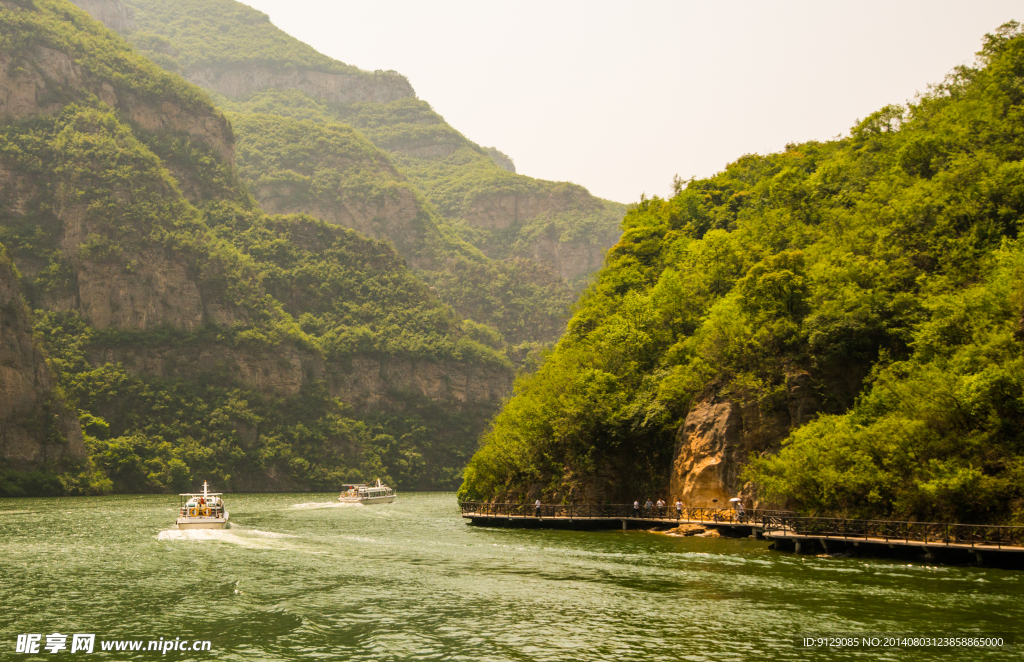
x=849, y=315
x=198, y=337
x=456, y=195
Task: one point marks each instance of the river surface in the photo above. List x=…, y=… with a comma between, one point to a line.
x=302, y=577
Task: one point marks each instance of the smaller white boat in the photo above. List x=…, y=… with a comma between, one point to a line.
x=368, y=494
x=202, y=511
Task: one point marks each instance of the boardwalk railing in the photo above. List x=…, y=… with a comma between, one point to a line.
x=618, y=511
x=937, y=533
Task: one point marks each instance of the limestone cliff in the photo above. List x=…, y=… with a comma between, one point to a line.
x=114, y=14
x=368, y=383
x=720, y=434
x=36, y=428
x=235, y=78
x=37, y=81
x=544, y=218
x=241, y=80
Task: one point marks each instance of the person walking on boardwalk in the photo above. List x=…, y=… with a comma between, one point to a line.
x=679, y=509
x=636, y=508
x=647, y=508
x=661, y=507
x=536, y=507
x=738, y=505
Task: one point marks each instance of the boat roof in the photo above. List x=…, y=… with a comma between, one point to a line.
x=209, y=494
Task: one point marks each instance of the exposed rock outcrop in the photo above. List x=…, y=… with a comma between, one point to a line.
x=242, y=80
x=499, y=211
x=37, y=83
x=719, y=435
x=503, y=160
x=387, y=219
x=571, y=259
x=112, y=13
x=36, y=428
x=367, y=383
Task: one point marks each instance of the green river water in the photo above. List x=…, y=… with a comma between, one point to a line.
x=299, y=576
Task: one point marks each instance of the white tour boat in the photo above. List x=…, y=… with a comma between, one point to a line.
x=379, y=493
x=202, y=511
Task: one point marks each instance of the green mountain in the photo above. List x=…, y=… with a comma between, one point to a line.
x=836, y=327
x=358, y=149
x=197, y=336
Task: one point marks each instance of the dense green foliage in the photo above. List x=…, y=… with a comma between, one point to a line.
x=887, y=260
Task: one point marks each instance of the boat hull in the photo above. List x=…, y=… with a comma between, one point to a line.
x=203, y=522
x=368, y=501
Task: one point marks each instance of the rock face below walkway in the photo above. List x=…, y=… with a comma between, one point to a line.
x=718, y=436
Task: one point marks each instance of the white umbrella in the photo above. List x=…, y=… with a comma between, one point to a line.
x=734, y=499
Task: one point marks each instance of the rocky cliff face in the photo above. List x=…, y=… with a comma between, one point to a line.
x=242, y=80
x=571, y=258
x=365, y=382
x=389, y=218
x=719, y=435
x=112, y=13
x=498, y=212
x=36, y=428
x=36, y=82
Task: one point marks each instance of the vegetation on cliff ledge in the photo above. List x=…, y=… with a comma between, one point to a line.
x=887, y=264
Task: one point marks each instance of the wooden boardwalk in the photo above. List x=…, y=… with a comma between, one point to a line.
x=955, y=542
x=610, y=516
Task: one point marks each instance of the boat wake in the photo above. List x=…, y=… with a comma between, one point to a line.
x=326, y=504
x=235, y=535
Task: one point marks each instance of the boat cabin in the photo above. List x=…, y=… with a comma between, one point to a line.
x=204, y=504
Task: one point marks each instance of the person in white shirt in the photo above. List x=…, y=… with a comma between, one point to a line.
x=536, y=506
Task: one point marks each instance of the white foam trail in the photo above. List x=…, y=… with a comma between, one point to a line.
x=262, y=534
x=236, y=536
x=326, y=504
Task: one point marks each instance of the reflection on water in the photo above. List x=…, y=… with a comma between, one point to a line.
x=303, y=576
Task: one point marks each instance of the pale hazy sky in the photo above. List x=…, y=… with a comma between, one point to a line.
x=621, y=96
